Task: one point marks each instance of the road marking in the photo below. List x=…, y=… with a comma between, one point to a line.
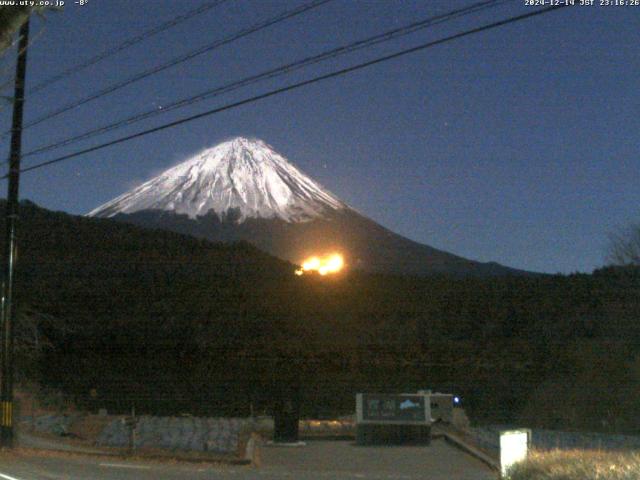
x=8, y=477
x=124, y=465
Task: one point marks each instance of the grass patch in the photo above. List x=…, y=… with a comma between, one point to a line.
x=578, y=465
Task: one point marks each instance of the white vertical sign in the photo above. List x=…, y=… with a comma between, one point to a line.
x=514, y=445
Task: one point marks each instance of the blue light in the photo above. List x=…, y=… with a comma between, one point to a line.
x=456, y=400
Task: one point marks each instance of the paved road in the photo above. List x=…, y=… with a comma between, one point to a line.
x=344, y=460
x=317, y=460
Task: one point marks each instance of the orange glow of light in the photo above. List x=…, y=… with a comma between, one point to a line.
x=323, y=265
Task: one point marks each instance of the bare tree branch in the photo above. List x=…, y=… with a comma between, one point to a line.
x=624, y=246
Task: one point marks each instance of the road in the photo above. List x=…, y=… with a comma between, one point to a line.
x=317, y=460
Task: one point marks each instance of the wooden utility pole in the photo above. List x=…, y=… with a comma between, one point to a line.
x=7, y=313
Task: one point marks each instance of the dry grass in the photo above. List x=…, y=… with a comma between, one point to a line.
x=578, y=465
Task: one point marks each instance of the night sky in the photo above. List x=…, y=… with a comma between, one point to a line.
x=519, y=145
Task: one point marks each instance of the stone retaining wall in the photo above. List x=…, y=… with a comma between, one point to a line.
x=219, y=435
x=55, y=424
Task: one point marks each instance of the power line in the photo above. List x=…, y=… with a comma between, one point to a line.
x=183, y=58
x=126, y=44
x=272, y=73
x=4, y=70
x=93, y=60
x=295, y=86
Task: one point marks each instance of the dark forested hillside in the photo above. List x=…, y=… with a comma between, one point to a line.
x=173, y=324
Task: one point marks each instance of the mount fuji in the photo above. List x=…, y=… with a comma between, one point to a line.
x=242, y=189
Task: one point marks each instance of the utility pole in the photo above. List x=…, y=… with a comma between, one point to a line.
x=7, y=313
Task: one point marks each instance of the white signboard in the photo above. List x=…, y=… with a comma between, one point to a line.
x=514, y=445
x=401, y=409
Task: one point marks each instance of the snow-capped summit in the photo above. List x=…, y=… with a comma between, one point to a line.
x=260, y=198
x=244, y=175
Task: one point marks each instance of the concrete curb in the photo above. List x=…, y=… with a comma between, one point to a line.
x=273, y=444
x=142, y=456
x=330, y=437
x=470, y=449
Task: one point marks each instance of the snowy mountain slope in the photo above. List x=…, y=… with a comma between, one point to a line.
x=243, y=190
x=243, y=175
